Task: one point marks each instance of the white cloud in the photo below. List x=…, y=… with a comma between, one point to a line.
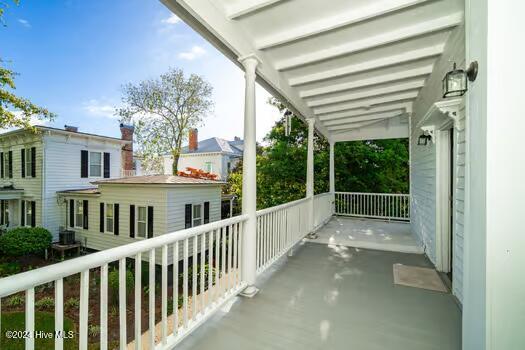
x=173, y=19
x=195, y=52
x=99, y=108
x=24, y=22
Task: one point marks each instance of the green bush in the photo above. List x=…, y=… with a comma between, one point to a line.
x=206, y=274
x=25, y=240
x=113, y=282
x=72, y=303
x=9, y=268
x=45, y=303
x=15, y=300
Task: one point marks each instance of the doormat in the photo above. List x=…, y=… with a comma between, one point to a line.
x=418, y=277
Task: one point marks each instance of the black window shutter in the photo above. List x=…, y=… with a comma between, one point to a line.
x=187, y=216
x=2, y=204
x=86, y=215
x=33, y=161
x=116, y=219
x=33, y=213
x=23, y=213
x=2, y=164
x=150, y=222
x=206, y=212
x=71, y=213
x=101, y=217
x=23, y=165
x=132, y=221
x=83, y=163
x=106, y=164
x=10, y=164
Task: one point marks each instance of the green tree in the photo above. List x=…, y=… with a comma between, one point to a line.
x=360, y=166
x=16, y=111
x=163, y=110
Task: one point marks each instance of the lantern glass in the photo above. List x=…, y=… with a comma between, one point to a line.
x=455, y=83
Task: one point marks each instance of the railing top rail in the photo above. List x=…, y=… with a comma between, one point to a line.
x=375, y=194
x=46, y=274
x=319, y=195
x=280, y=207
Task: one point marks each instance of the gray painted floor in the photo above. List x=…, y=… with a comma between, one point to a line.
x=334, y=297
x=371, y=234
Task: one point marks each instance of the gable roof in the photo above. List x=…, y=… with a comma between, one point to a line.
x=67, y=132
x=216, y=144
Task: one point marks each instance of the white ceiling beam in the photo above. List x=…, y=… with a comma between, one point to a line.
x=323, y=25
x=388, y=37
x=353, y=126
x=406, y=106
x=404, y=57
x=247, y=6
x=381, y=79
x=367, y=102
x=385, y=115
x=411, y=85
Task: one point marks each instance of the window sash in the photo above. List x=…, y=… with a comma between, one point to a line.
x=142, y=221
x=95, y=164
x=79, y=214
x=197, y=215
x=109, y=212
x=28, y=213
x=28, y=162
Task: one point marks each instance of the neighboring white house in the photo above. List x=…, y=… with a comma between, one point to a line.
x=34, y=166
x=214, y=155
x=121, y=211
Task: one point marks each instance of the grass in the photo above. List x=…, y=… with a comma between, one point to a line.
x=44, y=321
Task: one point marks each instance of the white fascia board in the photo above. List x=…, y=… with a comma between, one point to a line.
x=389, y=37
x=382, y=62
x=229, y=38
x=340, y=20
x=411, y=85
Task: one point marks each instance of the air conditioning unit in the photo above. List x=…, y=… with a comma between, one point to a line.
x=66, y=237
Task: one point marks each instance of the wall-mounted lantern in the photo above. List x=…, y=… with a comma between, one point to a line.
x=423, y=139
x=426, y=136
x=455, y=81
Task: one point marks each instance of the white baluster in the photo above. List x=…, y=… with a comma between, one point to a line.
x=185, y=285
x=104, y=307
x=84, y=310
x=59, y=313
x=138, y=301
x=122, y=302
x=30, y=318
x=175, y=288
x=151, y=303
x=164, y=295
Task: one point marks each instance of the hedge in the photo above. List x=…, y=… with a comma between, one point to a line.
x=25, y=240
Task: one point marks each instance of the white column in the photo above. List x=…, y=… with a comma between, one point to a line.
x=249, y=185
x=310, y=159
x=332, y=168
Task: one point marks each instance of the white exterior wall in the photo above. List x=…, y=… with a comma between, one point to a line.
x=62, y=170
x=423, y=164
x=168, y=212
x=198, y=161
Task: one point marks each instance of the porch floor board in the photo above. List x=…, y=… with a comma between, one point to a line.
x=370, y=234
x=334, y=297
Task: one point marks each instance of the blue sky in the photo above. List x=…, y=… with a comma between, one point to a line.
x=73, y=56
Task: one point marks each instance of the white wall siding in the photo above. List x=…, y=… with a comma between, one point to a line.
x=423, y=163
x=199, y=160
x=62, y=170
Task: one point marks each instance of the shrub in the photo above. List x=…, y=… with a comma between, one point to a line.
x=93, y=330
x=25, y=240
x=206, y=274
x=45, y=303
x=15, y=300
x=9, y=268
x=71, y=303
x=113, y=282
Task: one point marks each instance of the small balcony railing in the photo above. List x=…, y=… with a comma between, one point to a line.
x=373, y=205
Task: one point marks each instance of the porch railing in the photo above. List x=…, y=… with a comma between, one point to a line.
x=373, y=205
x=323, y=208
x=224, y=238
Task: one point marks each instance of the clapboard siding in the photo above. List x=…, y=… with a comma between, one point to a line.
x=168, y=214
x=32, y=186
x=423, y=164
x=62, y=166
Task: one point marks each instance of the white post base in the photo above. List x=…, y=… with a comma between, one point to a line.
x=249, y=292
x=312, y=235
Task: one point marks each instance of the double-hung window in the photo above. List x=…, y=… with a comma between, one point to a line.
x=28, y=207
x=142, y=221
x=95, y=164
x=28, y=164
x=79, y=214
x=110, y=218
x=208, y=167
x=197, y=215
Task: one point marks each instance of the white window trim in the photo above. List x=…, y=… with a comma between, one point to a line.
x=202, y=214
x=101, y=164
x=137, y=222
x=27, y=206
x=28, y=164
x=106, y=218
x=75, y=216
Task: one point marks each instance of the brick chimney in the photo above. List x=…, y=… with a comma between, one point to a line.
x=126, y=132
x=193, y=140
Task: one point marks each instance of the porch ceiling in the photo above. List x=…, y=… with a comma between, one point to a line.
x=356, y=66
